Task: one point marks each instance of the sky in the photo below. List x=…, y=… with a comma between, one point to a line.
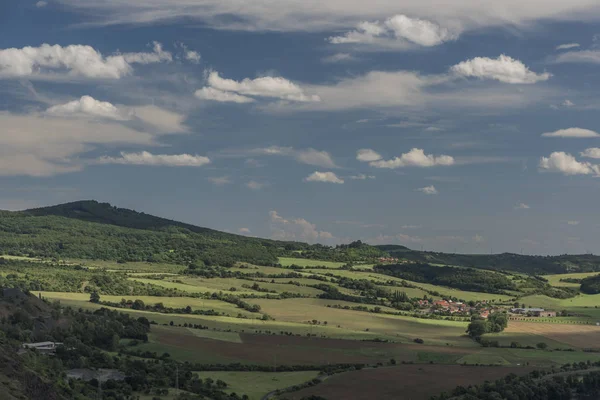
x=467, y=126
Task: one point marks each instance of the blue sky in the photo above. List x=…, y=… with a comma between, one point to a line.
x=469, y=127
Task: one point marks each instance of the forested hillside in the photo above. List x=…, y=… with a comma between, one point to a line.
x=92, y=230
x=505, y=261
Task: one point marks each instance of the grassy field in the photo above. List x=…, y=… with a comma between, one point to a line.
x=554, y=280
x=174, y=302
x=583, y=304
x=303, y=262
x=258, y=384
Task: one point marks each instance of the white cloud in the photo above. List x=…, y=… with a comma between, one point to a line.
x=88, y=106
x=164, y=120
x=158, y=55
x=309, y=156
x=572, y=133
x=146, y=158
x=192, y=56
x=573, y=223
x=430, y=190
x=298, y=229
x=367, y=155
x=316, y=158
x=338, y=58
x=503, y=69
x=323, y=15
x=220, y=180
x=152, y=116
x=254, y=185
x=568, y=103
x=398, y=31
x=267, y=86
x=41, y=145
x=244, y=231
x=41, y=4
x=592, y=152
x=209, y=93
x=522, y=206
x=328, y=177
x=567, y=46
x=414, y=158
x=76, y=60
x=478, y=238
x=566, y=164
x=362, y=177
x=581, y=56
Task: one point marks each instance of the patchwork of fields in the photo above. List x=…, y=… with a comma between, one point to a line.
x=275, y=316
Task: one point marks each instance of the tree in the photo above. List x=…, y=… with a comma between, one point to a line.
x=94, y=297
x=542, y=346
x=477, y=328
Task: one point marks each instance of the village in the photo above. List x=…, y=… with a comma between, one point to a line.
x=481, y=308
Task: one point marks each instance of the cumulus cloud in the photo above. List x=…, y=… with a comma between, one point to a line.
x=398, y=31
x=566, y=164
x=478, y=238
x=41, y=4
x=316, y=158
x=152, y=116
x=88, y=106
x=192, y=56
x=164, y=160
x=414, y=158
x=522, y=206
x=328, y=177
x=298, y=229
x=209, y=93
x=572, y=133
x=309, y=156
x=567, y=46
x=244, y=231
x=503, y=69
x=567, y=103
x=267, y=86
x=581, y=57
x=75, y=60
x=367, y=155
x=393, y=239
x=592, y=152
x=430, y=190
x=573, y=223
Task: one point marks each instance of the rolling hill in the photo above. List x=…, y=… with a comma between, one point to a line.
x=92, y=230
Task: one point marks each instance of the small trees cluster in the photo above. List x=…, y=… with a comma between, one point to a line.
x=496, y=322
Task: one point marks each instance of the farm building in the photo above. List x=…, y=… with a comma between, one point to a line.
x=44, y=347
x=536, y=312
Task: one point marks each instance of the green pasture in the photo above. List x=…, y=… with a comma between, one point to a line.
x=303, y=262
x=258, y=384
x=173, y=302
x=583, y=304
x=554, y=280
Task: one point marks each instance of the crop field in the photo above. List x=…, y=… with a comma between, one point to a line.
x=578, y=336
x=258, y=384
x=414, y=382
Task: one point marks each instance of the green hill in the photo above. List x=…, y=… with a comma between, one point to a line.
x=92, y=230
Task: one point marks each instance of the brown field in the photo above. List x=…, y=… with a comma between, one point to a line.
x=579, y=336
x=403, y=382
x=290, y=350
